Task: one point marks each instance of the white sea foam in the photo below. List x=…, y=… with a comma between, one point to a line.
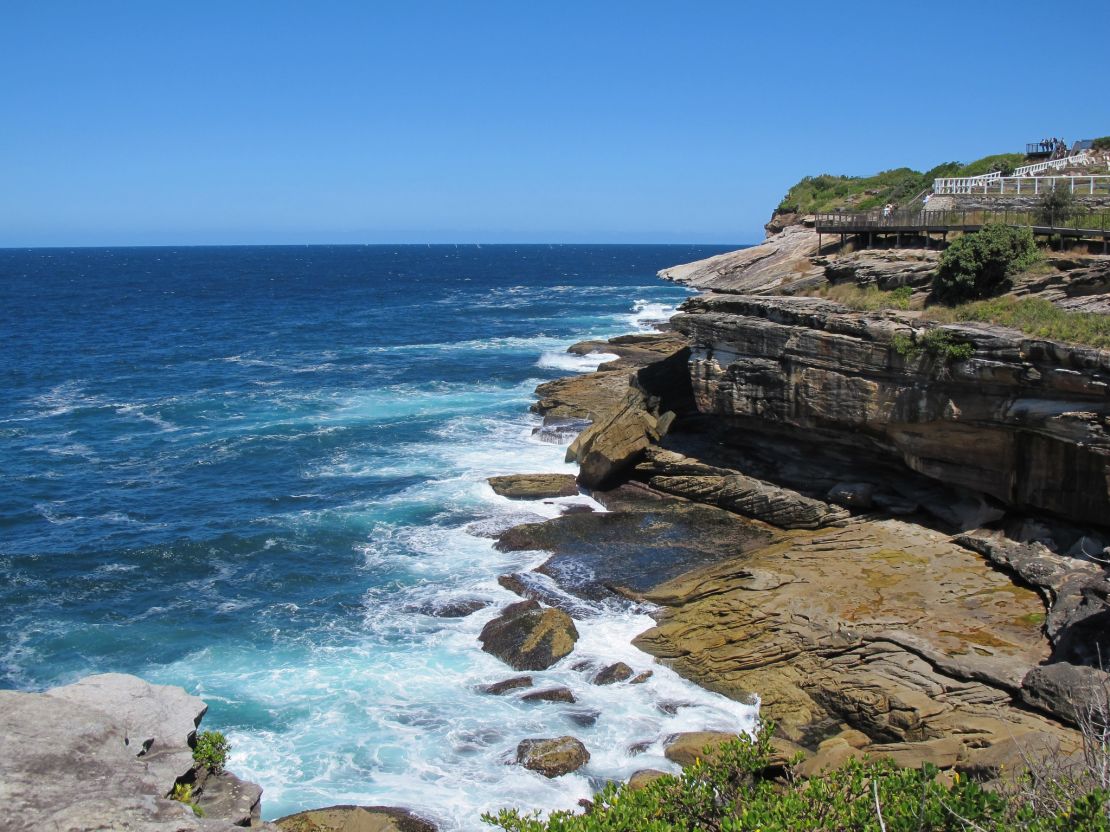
x=572, y=363
x=387, y=710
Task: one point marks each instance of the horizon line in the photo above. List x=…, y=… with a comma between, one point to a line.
x=478, y=244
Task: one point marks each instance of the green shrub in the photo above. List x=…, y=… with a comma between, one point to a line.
x=1101, y=143
x=980, y=264
x=211, y=751
x=1057, y=206
x=936, y=343
x=732, y=789
x=183, y=793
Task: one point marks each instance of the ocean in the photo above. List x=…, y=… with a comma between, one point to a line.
x=251, y=471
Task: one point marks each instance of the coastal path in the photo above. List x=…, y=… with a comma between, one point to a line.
x=914, y=225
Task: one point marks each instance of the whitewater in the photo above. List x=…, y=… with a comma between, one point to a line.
x=256, y=473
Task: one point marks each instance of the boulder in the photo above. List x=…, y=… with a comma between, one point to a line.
x=355, y=819
x=516, y=683
x=619, y=672
x=550, y=695
x=527, y=636
x=686, y=748
x=642, y=677
x=614, y=443
x=644, y=777
x=534, y=486
x=1071, y=692
x=552, y=757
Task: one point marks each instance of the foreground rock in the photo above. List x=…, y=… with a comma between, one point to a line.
x=527, y=636
x=104, y=753
x=552, y=757
x=885, y=627
x=355, y=819
x=534, y=486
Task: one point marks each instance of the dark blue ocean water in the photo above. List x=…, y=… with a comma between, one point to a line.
x=246, y=470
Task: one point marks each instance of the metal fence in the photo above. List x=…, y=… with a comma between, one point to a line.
x=1023, y=185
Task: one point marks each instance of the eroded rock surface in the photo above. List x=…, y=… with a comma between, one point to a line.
x=884, y=626
x=104, y=753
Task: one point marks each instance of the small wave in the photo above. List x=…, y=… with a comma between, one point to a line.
x=569, y=362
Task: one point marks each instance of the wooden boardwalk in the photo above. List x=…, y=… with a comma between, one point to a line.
x=916, y=224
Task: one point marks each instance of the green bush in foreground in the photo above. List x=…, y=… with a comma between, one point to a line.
x=980, y=264
x=211, y=751
x=730, y=791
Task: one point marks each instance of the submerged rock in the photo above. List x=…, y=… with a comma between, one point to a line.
x=552, y=757
x=619, y=672
x=534, y=486
x=458, y=608
x=355, y=819
x=550, y=695
x=527, y=636
x=516, y=683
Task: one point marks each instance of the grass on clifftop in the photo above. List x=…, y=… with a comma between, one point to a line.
x=1033, y=316
x=862, y=193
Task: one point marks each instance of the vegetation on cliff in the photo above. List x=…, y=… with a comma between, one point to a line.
x=862, y=193
x=1033, y=316
x=980, y=265
x=737, y=787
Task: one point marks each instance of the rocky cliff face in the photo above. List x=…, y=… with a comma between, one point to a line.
x=1024, y=423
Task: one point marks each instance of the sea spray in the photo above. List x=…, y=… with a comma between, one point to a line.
x=257, y=479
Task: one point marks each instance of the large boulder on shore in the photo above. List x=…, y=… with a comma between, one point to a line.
x=527, y=636
x=534, y=486
x=104, y=753
x=552, y=757
x=159, y=721
x=354, y=819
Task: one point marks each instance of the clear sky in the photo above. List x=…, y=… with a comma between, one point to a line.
x=282, y=122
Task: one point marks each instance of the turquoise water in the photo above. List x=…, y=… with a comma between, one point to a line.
x=250, y=471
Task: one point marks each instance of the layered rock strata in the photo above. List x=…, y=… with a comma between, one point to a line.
x=1023, y=422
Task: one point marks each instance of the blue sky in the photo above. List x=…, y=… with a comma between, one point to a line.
x=279, y=122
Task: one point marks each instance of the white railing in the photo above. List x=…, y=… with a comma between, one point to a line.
x=1052, y=164
x=1022, y=185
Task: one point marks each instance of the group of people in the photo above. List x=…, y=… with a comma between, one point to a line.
x=1055, y=147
